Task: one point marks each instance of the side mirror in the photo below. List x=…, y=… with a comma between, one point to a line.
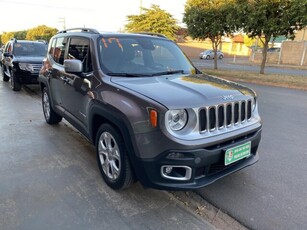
x=7, y=54
x=73, y=66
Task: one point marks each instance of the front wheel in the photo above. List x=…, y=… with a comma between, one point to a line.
x=112, y=158
x=4, y=76
x=15, y=85
x=51, y=116
x=208, y=57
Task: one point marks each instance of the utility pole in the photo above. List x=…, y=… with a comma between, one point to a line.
x=62, y=21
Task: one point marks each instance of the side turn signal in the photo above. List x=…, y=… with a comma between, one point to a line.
x=153, y=118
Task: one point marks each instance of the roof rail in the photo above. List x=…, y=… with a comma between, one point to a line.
x=42, y=41
x=81, y=29
x=153, y=34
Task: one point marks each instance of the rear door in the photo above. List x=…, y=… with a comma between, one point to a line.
x=54, y=70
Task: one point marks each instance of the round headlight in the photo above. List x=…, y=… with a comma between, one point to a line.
x=176, y=119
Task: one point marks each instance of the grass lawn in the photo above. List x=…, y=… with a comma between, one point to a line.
x=287, y=81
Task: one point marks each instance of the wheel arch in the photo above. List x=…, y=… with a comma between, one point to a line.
x=101, y=114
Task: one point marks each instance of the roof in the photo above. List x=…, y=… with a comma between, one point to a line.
x=238, y=38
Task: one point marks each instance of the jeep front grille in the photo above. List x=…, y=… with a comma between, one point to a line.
x=226, y=115
x=36, y=68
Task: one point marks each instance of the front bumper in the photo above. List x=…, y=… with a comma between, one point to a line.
x=26, y=77
x=204, y=165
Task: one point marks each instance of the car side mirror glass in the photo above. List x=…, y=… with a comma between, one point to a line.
x=73, y=66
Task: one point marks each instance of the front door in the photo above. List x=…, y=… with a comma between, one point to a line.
x=76, y=88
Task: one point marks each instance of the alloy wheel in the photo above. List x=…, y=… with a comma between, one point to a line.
x=46, y=105
x=109, y=155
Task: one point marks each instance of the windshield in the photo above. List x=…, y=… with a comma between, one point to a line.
x=142, y=56
x=30, y=49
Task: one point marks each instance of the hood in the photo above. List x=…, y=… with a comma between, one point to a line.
x=30, y=59
x=185, y=91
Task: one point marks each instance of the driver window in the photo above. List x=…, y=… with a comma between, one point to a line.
x=79, y=49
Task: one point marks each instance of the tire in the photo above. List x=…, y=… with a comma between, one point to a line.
x=4, y=76
x=50, y=115
x=221, y=57
x=15, y=85
x=112, y=158
x=208, y=57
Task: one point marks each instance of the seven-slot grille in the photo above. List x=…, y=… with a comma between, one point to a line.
x=225, y=115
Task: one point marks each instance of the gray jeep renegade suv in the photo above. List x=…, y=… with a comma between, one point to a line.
x=150, y=113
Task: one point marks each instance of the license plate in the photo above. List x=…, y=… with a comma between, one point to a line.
x=237, y=153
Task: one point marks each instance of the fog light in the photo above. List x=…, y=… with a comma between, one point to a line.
x=168, y=169
x=176, y=172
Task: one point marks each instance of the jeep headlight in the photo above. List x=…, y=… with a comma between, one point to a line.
x=176, y=119
x=26, y=66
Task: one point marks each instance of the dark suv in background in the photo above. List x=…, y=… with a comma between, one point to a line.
x=150, y=113
x=21, y=61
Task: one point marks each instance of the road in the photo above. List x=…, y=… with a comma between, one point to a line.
x=240, y=65
x=60, y=164
x=272, y=194
x=49, y=179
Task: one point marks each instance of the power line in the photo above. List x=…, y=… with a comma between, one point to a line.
x=45, y=5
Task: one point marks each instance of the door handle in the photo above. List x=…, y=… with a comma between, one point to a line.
x=65, y=79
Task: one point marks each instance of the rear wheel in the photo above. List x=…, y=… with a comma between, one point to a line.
x=208, y=57
x=221, y=57
x=15, y=85
x=112, y=158
x=51, y=116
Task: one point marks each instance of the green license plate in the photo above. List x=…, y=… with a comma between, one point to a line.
x=237, y=153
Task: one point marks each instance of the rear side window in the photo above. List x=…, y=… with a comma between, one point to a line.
x=8, y=48
x=57, y=50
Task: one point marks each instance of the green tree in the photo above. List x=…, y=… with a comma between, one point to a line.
x=210, y=19
x=153, y=20
x=20, y=35
x=41, y=32
x=6, y=36
x=268, y=19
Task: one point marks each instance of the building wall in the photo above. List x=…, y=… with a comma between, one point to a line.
x=292, y=53
x=301, y=35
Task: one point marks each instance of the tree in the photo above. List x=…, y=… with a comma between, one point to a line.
x=153, y=20
x=210, y=19
x=268, y=19
x=6, y=36
x=20, y=35
x=41, y=33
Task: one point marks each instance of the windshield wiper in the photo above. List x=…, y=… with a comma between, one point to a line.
x=128, y=74
x=168, y=72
